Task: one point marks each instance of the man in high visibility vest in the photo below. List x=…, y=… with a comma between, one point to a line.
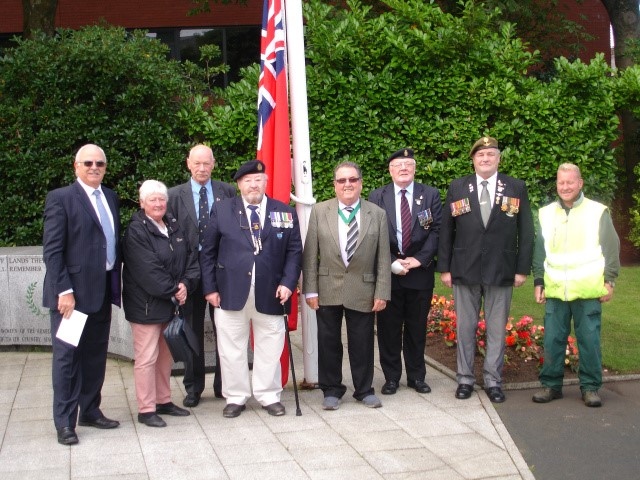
x=575, y=263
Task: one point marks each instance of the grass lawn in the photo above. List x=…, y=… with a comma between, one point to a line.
x=620, y=319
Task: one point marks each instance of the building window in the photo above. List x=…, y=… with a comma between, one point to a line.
x=239, y=46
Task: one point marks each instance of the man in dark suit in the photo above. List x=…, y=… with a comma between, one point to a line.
x=251, y=261
x=486, y=246
x=347, y=274
x=414, y=212
x=190, y=204
x=80, y=247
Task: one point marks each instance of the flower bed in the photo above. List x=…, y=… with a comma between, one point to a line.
x=523, y=339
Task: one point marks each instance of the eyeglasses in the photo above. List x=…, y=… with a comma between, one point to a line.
x=406, y=163
x=98, y=163
x=342, y=181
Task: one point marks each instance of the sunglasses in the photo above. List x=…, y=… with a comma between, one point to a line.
x=342, y=181
x=98, y=163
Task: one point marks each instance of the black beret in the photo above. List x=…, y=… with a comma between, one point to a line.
x=484, y=142
x=252, y=166
x=403, y=153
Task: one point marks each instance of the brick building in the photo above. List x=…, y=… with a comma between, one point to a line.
x=234, y=27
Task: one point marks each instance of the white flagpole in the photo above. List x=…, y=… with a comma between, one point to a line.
x=301, y=169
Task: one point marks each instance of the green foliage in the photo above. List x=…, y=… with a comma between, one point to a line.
x=377, y=80
x=414, y=76
x=96, y=85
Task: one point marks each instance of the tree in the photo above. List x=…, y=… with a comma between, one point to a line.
x=38, y=15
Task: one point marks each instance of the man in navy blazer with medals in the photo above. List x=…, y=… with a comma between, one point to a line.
x=414, y=212
x=486, y=247
x=251, y=261
x=190, y=203
x=80, y=249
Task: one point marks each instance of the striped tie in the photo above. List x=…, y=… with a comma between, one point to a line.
x=352, y=235
x=405, y=222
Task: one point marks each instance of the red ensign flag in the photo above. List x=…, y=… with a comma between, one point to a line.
x=274, y=144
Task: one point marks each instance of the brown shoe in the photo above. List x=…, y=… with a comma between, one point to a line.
x=546, y=395
x=591, y=398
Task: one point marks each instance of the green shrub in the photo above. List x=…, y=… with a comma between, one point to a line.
x=417, y=77
x=96, y=85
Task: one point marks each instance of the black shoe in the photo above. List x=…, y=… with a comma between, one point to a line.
x=191, y=400
x=151, y=419
x=67, y=436
x=464, y=391
x=419, y=386
x=100, y=422
x=232, y=410
x=495, y=394
x=389, y=388
x=275, y=409
x=171, y=409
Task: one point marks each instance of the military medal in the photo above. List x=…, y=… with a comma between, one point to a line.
x=425, y=218
x=460, y=207
x=510, y=206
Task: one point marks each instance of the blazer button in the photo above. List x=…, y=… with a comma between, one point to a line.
x=249, y=273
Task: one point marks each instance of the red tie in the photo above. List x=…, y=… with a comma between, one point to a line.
x=405, y=219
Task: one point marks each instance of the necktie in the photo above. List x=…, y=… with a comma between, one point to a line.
x=405, y=221
x=106, y=228
x=255, y=222
x=485, y=203
x=203, y=214
x=352, y=235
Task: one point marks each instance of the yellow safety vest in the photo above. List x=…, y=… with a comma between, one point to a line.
x=574, y=264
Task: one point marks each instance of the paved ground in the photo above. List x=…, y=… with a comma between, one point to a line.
x=566, y=440
x=430, y=436
x=417, y=436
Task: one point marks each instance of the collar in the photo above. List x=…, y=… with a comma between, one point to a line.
x=492, y=179
x=262, y=206
x=578, y=201
x=409, y=189
x=342, y=206
x=89, y=190
x=195, y=186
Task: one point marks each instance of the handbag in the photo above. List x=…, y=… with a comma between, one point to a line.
x=180, y=337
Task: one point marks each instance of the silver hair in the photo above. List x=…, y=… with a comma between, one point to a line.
x=88, y=145
x=152, y=187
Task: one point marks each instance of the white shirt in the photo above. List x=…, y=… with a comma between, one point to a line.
x=343, y=228
x=261, y=211
x=92, y=198
x=398, y=197
x=491, y=187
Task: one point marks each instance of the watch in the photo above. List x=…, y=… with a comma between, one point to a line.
x=612, y=283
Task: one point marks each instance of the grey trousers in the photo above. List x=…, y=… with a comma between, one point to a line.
x=496, y=302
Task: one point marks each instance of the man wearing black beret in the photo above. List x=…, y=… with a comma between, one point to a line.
x=414, y=211
x=251, y=260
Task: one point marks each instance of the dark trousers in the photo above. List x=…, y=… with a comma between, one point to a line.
x=78, y=372
x=402, y=329
x=586, y=314
x=360, y=347
x=194, y=370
